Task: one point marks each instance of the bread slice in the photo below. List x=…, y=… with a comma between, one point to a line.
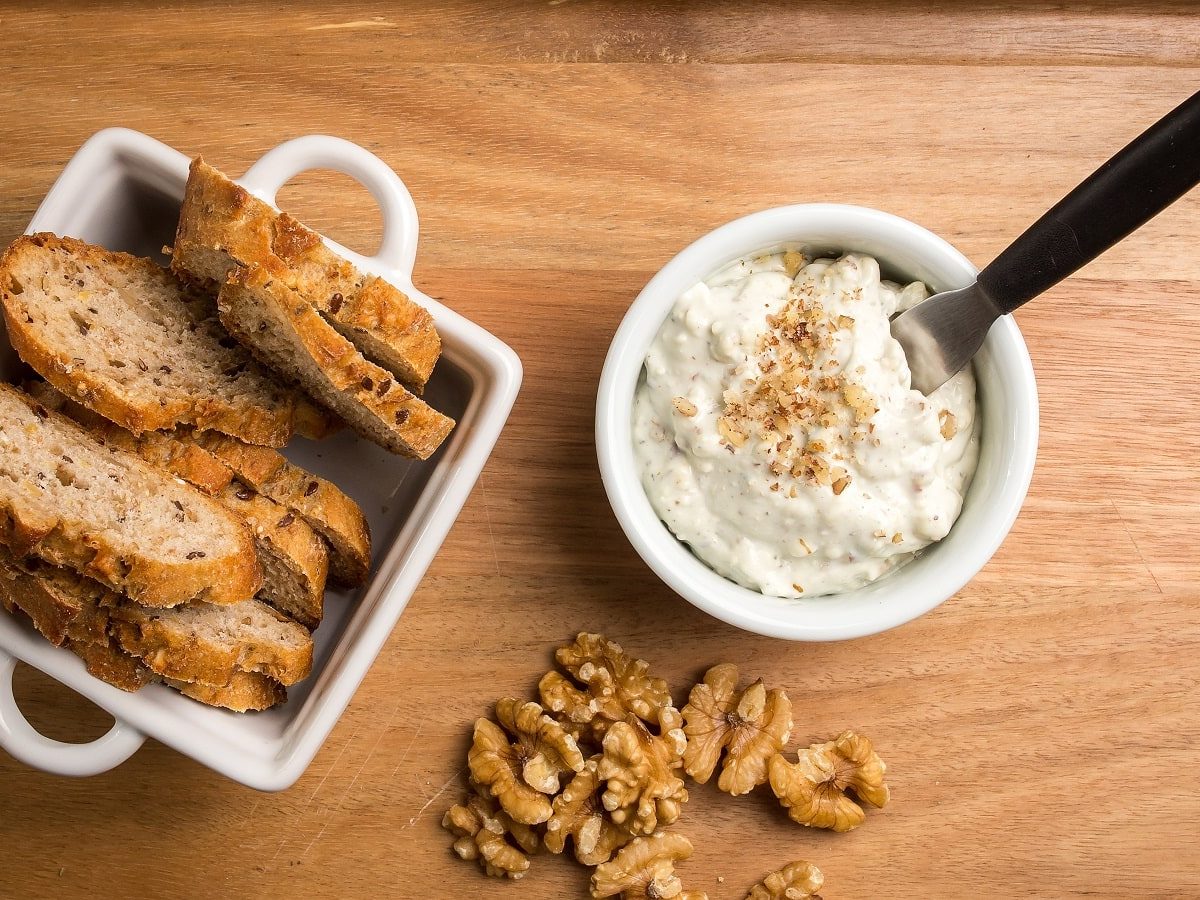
x=73, y=612
x=182, y=458
x=120, y=335
x=112, y=516
x=294, y=559
x=110, y=664
x=320, y=503
x=290, y=336
x=62, y=605
x=222, y=226
x=204, y=643
x=246, y=692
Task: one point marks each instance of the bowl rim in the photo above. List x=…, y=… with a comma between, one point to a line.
x=668, y=557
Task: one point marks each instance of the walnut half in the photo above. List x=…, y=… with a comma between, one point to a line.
x=521, y=773
x=579, y=815
x=798, y=880
x=615, y=685
x=486, y=833
x=646, y=868
x=642, y=791
x=814, y=787
x=749, y=727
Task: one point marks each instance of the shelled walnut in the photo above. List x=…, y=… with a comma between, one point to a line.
x=646, y=868
x=487, y=834
x=613, y=685
x=798, y=880
x=522, y=772
x=580, y=815
x=642, y=791
x=748, y=727
x=814, y=788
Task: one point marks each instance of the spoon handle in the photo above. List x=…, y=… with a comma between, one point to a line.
x=1144, y=178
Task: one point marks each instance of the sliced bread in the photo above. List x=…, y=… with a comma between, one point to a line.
x=245, y=692
x=294, y=559
x=204, y=643
x=122, y=336
x=320, y=503
x=112, y=516
x=290, y=336
x=182, y=458
x=108, y=662
x=222, y=226
x=73, y=612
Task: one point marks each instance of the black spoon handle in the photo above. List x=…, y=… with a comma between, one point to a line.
x=1148, y=175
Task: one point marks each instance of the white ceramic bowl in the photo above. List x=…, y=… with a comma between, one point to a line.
x=122, y=190
x=1008, y=411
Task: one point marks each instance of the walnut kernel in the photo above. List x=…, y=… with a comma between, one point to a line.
x=616, y=685
x=580, y=815
x=798, y=880
x=642, y=791
x=646, y=868
x=521, y=773
x=814, y=787
x=489, y=835
x=749, y=727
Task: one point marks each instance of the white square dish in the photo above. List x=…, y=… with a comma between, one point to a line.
x=122, y=190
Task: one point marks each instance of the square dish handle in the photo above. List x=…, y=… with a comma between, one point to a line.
x=398, y=250
x=25, y=744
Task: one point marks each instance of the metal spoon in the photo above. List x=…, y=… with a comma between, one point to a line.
x=941, y=334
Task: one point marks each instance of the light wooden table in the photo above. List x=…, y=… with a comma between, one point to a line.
x=1041, y=728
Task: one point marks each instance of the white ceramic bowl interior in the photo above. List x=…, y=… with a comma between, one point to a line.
x=122, y=190
x=1008, y=410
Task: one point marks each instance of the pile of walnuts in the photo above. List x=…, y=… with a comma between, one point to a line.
x=600, y=762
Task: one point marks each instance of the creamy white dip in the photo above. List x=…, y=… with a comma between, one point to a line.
x=778, y=436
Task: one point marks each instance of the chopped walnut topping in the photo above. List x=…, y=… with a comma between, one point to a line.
x=793, y=261
x=949, y=423
x=684, y=406
x=730, y=432
x=797, y=392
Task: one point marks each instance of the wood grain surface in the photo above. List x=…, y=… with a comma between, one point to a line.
x=1041, y=729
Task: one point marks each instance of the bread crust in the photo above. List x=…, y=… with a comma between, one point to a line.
x=86, y=547
x=88, y=383
x=289, y=335
x=245, y=692
x=222, y=226
x=110, y=664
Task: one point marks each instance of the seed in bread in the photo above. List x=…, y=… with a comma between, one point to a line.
x=112, y=516
x=122, y=336
x=319, y=502
x=290, y=336
x=222, y=226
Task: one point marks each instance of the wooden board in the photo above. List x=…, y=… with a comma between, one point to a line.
x=1041, y=729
